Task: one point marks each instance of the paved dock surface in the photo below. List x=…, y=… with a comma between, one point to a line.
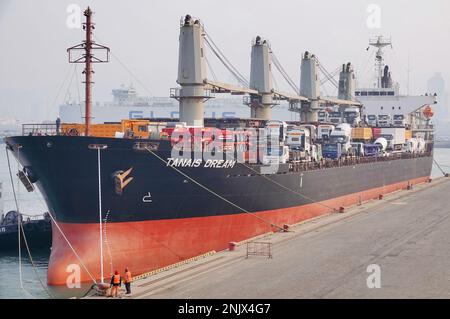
x=407, y=234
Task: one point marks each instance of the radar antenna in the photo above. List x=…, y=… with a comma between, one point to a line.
x=87, y=57
x=379, y=42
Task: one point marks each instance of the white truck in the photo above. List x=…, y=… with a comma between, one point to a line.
x=301, y=145
x=399, y=120
x=342, y=135
x=323, y=116
x=335, y=117
x=276, y=128
x=352, y=116
x=276, y=155
x=412, y=145
x=384, y=120
x=371, y=120
x=324, y=131
x=395, y=136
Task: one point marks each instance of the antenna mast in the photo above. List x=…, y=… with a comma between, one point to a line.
x=379, y=42
x=87, y=57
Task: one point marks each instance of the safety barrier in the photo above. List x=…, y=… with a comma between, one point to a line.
x=259, y=248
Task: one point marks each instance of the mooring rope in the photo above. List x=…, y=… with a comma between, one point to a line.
x=19, y=222
x=54, y=221
x=439, y=166
x=214, y=193
x=289, y=189
x=32, y=263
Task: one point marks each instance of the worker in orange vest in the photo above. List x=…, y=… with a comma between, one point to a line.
x=116, y=281
x=127, y=280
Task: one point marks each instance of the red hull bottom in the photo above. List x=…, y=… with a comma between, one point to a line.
x=148, y=245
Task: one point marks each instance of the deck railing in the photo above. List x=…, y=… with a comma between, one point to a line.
x=39, y=129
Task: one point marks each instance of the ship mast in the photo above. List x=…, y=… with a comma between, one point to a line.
x=379, y=42
x=87, y=57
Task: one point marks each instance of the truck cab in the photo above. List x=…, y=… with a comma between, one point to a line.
x=335, y=117
x=276, y=155
x=300, y=144
x=372, y=120
x=399, y=120
x=372, y=150
x=323, y=117
x=384, y=120
x=342, y=135
x=352, y=116
x=297, y=138
x=277, y=128
x=359, y=148
x=332, y=150
x=324, y=131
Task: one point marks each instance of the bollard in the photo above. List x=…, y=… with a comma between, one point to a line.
x=430, y=180
x=232, y=246
x=380, y=197
x=341, y=209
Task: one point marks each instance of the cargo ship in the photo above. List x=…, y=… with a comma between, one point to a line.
x=147, y=193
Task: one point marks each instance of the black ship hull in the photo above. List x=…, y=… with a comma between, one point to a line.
x=160, y=214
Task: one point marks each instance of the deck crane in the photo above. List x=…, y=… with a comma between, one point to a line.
x=196, y=88
x=310, y=88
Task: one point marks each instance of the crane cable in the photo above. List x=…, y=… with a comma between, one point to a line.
x=332, y=74
x=211, y=69
x=126, y=68
x=285, y=75
x=209, y=39
x=288, y=189
x=237, y=76
x=233, y=204
x=219, y=54
x=328, y=75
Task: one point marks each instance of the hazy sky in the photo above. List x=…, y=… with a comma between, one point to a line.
x=143, y=35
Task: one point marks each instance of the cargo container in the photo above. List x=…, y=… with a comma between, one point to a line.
x=376, y=132
x=408, y=134
x=361, y=134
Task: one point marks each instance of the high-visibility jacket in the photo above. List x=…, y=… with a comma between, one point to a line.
x=116, y=279
x=128, y=277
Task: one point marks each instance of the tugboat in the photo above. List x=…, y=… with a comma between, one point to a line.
x=38, y=230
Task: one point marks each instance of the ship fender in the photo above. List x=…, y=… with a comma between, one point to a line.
x=31, y=175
